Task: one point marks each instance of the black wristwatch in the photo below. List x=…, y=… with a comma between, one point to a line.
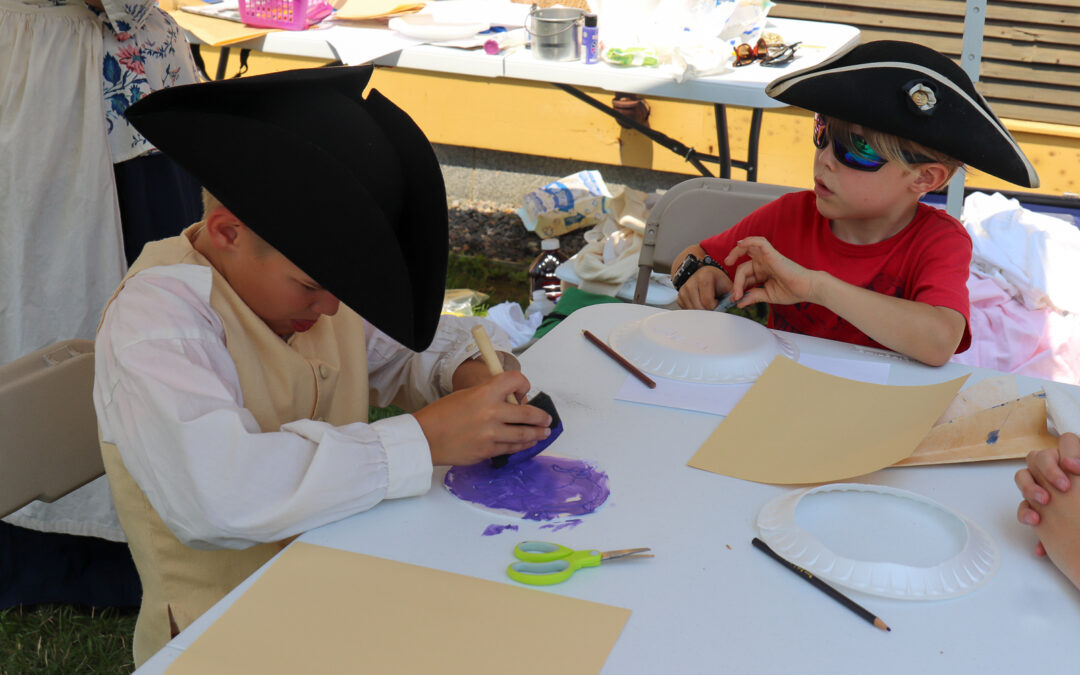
x=691, y=264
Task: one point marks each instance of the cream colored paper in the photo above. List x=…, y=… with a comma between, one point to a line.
x=1006, y=431
x=323, y=610
x=363, y=10
x=797, y=425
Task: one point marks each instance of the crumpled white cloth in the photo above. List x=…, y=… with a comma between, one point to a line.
x=1031, y=255
x=512, y=320
x=609, y=257
x=1062, y=408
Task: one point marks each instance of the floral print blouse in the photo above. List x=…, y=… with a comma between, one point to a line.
x=144, y=51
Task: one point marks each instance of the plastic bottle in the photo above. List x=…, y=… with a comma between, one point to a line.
x=590, y=40
x=540, y=303
x=542, y=270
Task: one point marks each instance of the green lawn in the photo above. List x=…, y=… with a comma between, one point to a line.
x=69, y=640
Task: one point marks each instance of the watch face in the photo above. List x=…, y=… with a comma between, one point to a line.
x=690, y=264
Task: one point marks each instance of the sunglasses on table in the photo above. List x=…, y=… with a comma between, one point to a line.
x=769, y=54
x=860, y=155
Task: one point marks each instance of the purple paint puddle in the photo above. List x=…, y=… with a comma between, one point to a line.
x=543, y=488
x=492, y=530
x=555, y=527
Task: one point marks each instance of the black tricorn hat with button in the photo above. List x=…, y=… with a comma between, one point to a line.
x=348, y=188
x=912, y=92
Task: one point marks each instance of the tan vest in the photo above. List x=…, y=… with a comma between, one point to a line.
x=320, y=374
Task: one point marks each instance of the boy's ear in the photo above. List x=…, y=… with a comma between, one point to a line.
x=223, y=228
x=930, y=176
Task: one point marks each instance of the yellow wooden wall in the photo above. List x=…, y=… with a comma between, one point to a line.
x=540, y=120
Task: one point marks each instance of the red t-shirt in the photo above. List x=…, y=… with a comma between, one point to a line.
x=928, y=261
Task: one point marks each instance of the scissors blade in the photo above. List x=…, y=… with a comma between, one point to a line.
x=625, y=554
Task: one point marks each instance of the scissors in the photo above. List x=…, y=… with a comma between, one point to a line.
x=543, y=564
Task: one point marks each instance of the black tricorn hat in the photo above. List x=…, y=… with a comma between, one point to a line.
x=912, y=92
x=349, y=189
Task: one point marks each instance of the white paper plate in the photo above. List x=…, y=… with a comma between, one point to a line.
x=425, y=27
x=880, y=540
x=700, y=346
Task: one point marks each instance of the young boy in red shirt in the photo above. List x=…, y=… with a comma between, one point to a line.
x=859, y=259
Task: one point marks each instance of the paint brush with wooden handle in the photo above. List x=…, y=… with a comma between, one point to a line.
x=541, y=400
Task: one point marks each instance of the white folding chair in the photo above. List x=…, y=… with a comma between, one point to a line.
x=48, y=429
x=691, y=211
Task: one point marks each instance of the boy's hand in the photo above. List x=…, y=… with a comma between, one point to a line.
x=474, y=424
x=703, y=288
x=471, y=373
x=768, y=276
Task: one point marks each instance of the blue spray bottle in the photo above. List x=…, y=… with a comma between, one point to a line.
x=590, y=40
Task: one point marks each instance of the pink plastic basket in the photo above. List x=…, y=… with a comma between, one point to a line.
x=287, y=14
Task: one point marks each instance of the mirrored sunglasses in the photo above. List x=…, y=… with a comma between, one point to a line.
x=860, y=155
x=769, y=54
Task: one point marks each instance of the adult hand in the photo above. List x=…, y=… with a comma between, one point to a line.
x=768, y=276
x=1047, y=472
x=704, y=288
x=474, y=424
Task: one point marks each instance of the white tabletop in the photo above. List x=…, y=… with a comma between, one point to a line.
x=743, y=86
x=700, y=606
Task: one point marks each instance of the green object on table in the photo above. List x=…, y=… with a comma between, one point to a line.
x=572, y=299
x=543, y=564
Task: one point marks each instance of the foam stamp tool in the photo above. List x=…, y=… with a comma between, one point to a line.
x=541, y=400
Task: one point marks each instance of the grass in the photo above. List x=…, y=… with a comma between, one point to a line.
x=70, y=640
x=65, y=639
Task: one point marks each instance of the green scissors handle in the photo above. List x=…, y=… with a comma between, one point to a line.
x=552, y=571
x=542, y=551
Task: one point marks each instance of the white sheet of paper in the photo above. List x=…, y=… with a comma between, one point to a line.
x=356, y=46
x=720, y=399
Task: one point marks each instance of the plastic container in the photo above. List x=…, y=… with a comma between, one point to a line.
x=590, y=40
x=542, y=270
x=540, y=303
x=287, y=14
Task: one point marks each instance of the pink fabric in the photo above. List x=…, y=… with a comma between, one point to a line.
x=1007, y=336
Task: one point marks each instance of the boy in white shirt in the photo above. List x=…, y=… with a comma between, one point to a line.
x=233, y=376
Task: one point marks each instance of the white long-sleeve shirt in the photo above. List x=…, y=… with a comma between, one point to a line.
x=167, y=394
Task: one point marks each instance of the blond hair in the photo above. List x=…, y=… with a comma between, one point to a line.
x=891, y=147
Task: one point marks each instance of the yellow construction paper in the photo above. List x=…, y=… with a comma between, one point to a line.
x=362, y=10
x=323, y=610
x=798, y=425
x=1005, y=431
x=216, y=32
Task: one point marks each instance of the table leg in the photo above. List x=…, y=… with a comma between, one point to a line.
x=223, y=61
x=723, y=148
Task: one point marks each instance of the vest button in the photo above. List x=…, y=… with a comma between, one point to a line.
x=324, y=372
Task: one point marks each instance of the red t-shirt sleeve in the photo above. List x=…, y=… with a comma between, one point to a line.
x=943, y=268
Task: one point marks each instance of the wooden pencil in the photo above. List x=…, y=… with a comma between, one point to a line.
x=822, y=586
x=631, y=368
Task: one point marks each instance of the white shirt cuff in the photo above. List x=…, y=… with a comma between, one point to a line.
x=408, y=457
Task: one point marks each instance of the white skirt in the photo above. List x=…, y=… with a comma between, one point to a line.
x=61, y=250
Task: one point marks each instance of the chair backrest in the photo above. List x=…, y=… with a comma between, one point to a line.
x=694, y=210
x=48, y=429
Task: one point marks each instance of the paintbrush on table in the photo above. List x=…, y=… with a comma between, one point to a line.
x=541, y=400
